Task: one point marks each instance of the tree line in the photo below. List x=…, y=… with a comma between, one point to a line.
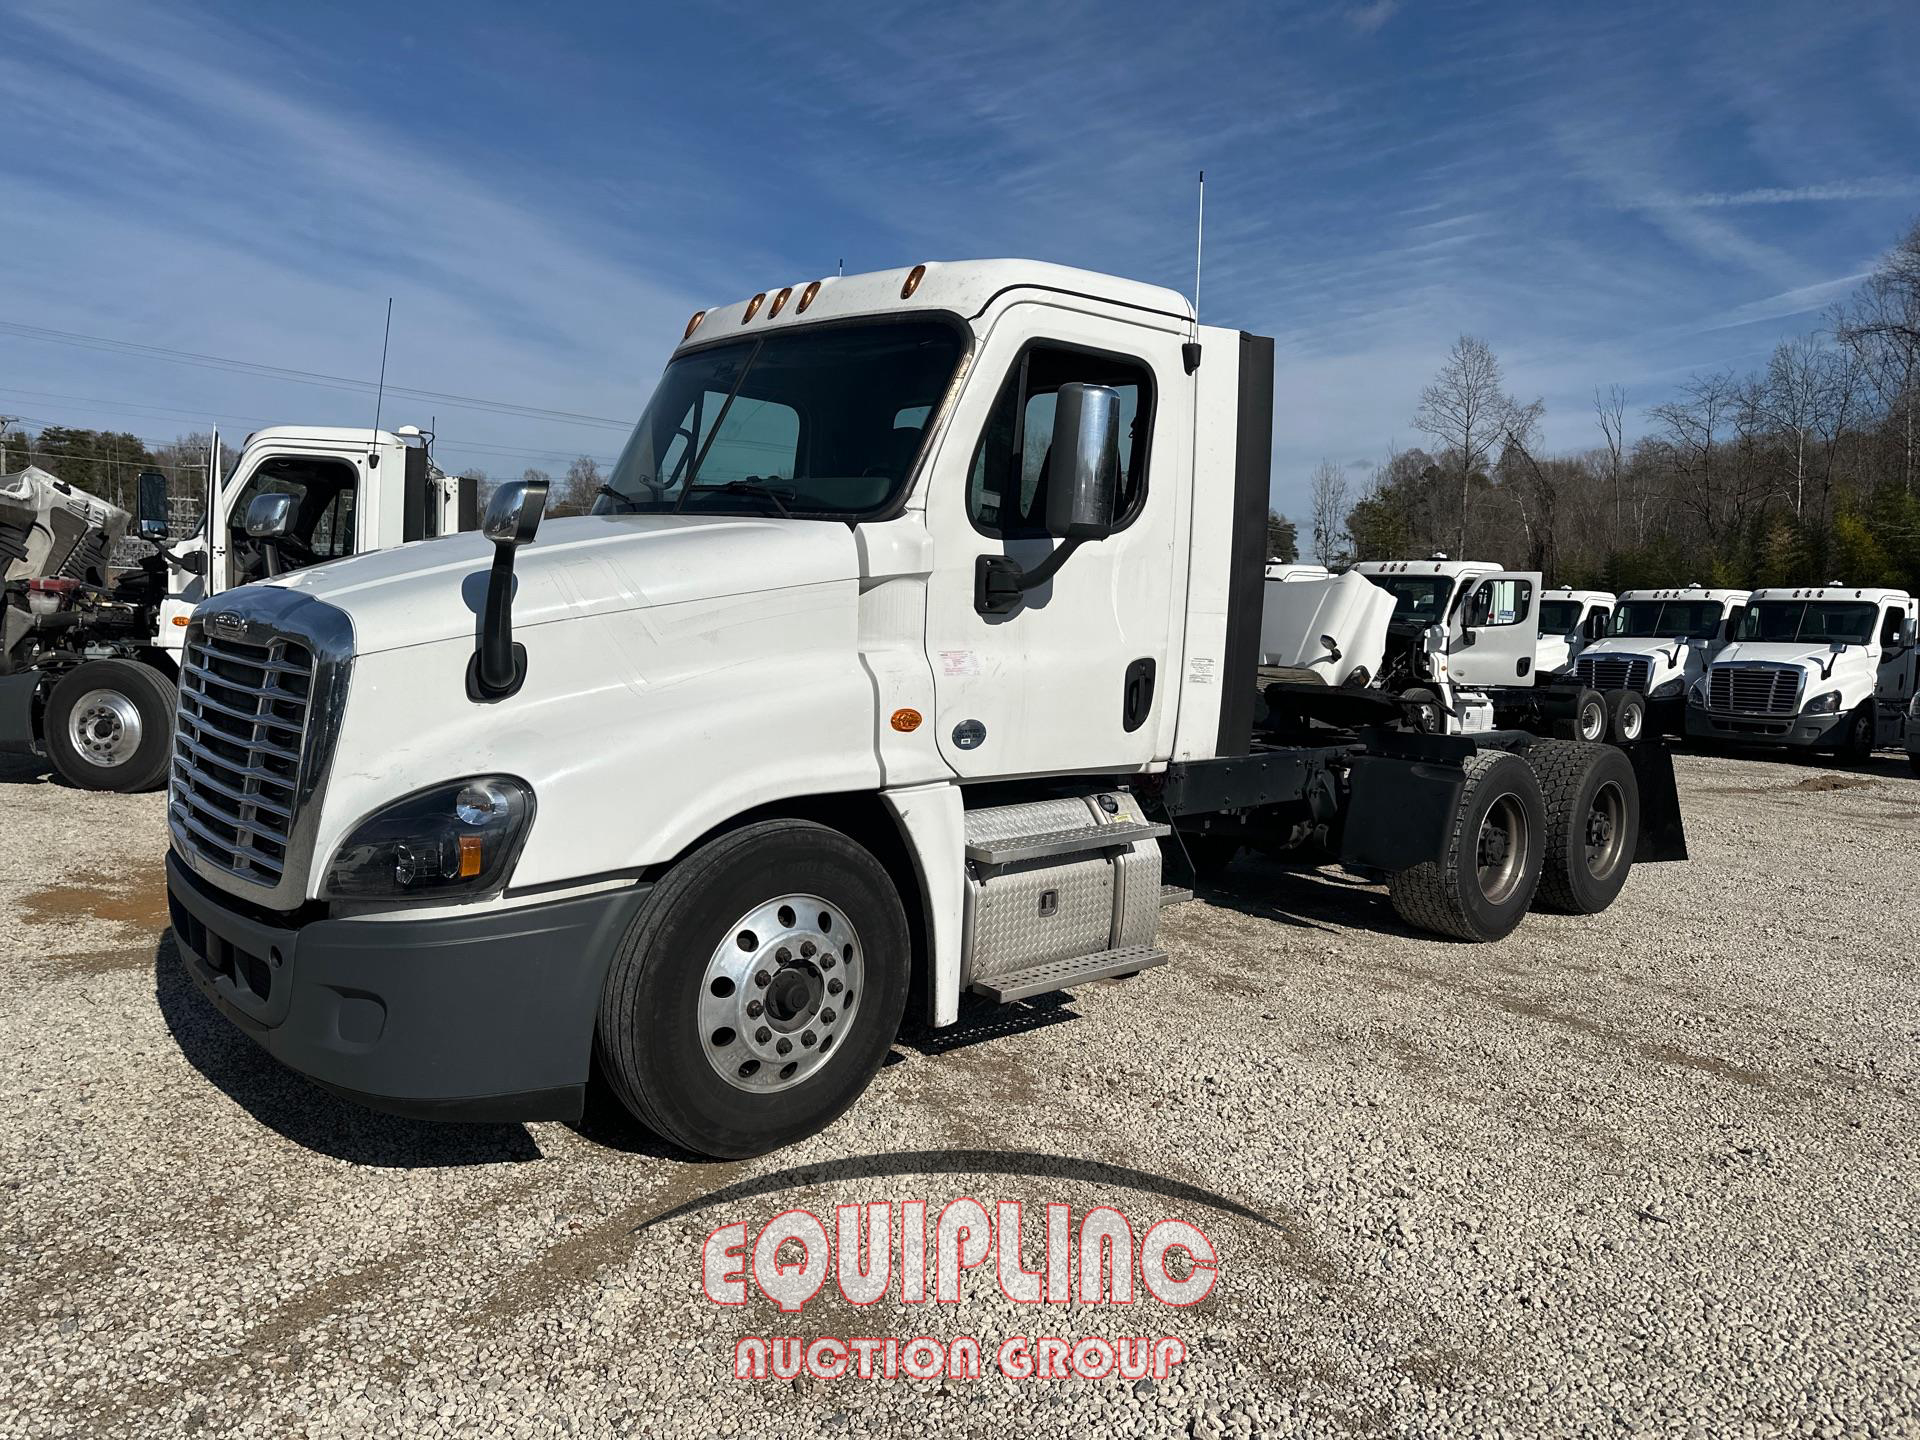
x=1803, y=471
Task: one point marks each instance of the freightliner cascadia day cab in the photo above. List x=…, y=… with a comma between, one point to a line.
x=1812, y=668
x=1659, y=643
x=90, y=661
x=917, y=634
x=1570, y=620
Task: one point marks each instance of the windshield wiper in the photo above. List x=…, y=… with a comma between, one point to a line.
x=744, y=487
x=618, y=497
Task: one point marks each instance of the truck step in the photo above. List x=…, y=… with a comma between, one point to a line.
x=1174, y=895
x=1062, y=974
x=1064, y=842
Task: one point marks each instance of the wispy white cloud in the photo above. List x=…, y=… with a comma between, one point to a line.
x=1370, y=17
x=1885, y=188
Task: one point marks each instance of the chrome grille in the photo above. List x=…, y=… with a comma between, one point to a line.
x=237, y=753
x=1755, y=689
x=1614, y=672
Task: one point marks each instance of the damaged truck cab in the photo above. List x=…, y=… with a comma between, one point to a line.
x=910, y=652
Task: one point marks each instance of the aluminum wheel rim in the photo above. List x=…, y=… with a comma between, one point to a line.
x=1606, y=837
x=779, y=992
x=105, y=727
x=1501, y=851
x=1593, y=722
x=1630, y=717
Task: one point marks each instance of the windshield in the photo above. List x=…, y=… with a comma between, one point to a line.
x=1819, y=621
x=1668, y=619
x=823, y=422
x=1559, y=616
x=1417, y=599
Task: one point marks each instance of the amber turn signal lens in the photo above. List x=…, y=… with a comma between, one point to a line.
x=914, y=277
x=693, y=324
x=780, y=302
x=806, y=298
x=179, y=619
x=469, y=856
x=753, y=306
x=906, y=721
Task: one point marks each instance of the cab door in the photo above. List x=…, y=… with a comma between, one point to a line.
x=1494, y=631
x=1894, y=689
x=1076, y=677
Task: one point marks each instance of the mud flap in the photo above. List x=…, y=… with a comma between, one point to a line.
x=1399, y=813
x=1663, y=834
x=18, y=695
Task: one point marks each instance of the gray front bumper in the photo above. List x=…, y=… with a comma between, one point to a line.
x=1800, y=732
x=466, y=1017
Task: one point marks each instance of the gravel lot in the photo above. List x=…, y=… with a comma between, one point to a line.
x=1653, y=1173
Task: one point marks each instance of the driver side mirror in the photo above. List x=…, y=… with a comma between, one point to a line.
x=1083, y=471
x=152, y=529
x=270, y=517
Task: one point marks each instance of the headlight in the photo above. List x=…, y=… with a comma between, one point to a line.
x=1668, y=688
x=1697, y=693
x=1825, y=704
x=451, y=842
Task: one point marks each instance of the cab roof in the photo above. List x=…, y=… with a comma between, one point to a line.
x=1436, y=565
x=962, y=287
x=1567, y=592
x=321, y=435
x=1685, y=592
x=1878, y=594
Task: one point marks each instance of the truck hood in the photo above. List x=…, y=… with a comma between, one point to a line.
x=1814, y=659
x=584, y=565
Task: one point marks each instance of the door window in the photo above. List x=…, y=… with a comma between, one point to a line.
x=1007, y=489
x=1892, y=630
x=324, y=494
x=1500, y=602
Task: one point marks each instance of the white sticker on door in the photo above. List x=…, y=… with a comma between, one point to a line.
x=1200, y=669
x=959, y=662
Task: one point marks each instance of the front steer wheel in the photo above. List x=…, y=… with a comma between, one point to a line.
x=1481, y=887
x=756, y=993
x=109, y=726
x=1593, y=822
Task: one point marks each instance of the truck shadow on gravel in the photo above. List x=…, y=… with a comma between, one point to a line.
x=26, y=769
x=303, y=1112
x=1306, y=899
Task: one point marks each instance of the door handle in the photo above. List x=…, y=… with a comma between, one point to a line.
x=1136, y=698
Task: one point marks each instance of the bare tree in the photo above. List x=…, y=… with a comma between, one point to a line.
x=1328, y=490
x=1465, y=410
x=1611, y=409
x=582, y=484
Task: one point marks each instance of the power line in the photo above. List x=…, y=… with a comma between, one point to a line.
x=298, y=377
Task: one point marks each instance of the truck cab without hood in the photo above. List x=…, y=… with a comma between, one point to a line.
x=1817, y=668
x=910, y=653
x=90, y=659
x=1570, y=621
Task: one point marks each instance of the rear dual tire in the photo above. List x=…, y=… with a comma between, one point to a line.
x=1592, y=822
x=1481, y=888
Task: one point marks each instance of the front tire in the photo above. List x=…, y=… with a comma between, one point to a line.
x=1593, y=824
x=109, y=726
x=1857, y=747
x=757, y=992
x=1481, y=888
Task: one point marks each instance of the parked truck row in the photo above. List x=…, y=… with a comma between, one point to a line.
x=913, y=650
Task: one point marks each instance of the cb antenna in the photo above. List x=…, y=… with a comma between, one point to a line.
x=1199, y=241
x=379, y=395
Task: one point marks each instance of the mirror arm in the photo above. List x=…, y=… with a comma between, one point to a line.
x=999, y=581
x=499, y=666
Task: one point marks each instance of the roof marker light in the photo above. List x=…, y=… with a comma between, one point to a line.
x=753, y=307
x=693, y=324
x=914, y=277
x=780, y=302
x=806, y=298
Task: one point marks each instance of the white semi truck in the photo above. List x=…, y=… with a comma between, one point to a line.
x=1570, y=621
x=1659, y=643
x=1827, y=667
x=916, y=633
x=90, y=661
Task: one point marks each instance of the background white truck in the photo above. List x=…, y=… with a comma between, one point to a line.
x=1570, y=621
x=1660, y=642
x=1827, y=667
x=89, y=660
x=917, y=634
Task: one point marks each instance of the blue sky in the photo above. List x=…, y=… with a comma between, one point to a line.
x=1616, y=193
